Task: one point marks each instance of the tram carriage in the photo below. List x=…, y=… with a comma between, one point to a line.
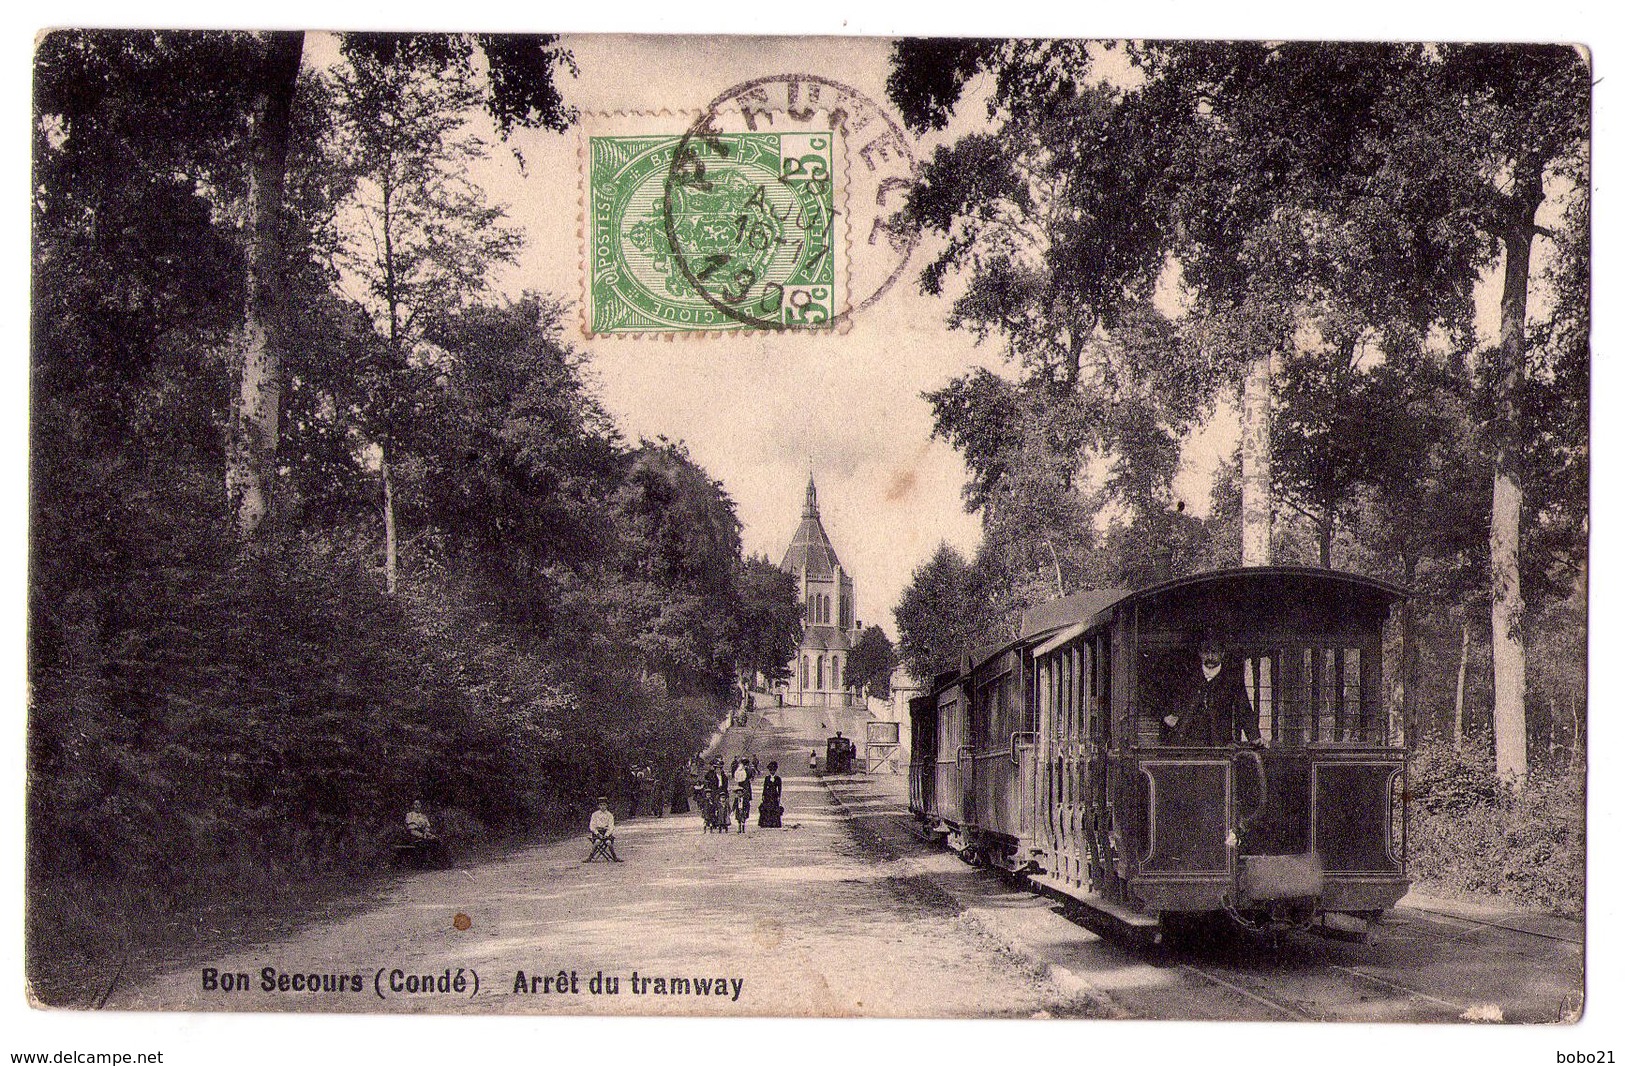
x=937, y=772
x=922, y=766
x=839, y=752
x=1049, y=756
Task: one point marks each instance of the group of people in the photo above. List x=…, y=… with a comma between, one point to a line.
x=725, y=795
x=1216, y=710
x=643, y=790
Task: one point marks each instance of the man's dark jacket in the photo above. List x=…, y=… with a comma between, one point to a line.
x=1216, y=713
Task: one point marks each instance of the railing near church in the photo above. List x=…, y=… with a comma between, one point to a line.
x=808, y=698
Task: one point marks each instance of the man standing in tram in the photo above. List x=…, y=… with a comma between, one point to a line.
x=1216, y=711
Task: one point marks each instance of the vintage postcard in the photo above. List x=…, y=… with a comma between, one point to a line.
x=808, y=526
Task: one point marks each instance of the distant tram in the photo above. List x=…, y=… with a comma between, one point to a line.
x=1069, y=754
x=838, y=754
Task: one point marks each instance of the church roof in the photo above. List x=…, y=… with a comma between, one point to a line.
x=810, y=549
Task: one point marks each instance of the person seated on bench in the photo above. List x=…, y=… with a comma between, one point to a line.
x=420, y=847
x=601, y=833
x=418, y=826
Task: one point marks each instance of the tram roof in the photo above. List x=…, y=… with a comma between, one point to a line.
x=1043, y=619
x=1306, y=575
x=1054, y=622
x=1080, y=606
x=1085, y=614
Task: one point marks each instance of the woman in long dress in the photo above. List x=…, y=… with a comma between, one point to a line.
x=772, y=811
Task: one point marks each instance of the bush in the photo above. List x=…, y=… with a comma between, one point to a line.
x=1469, y=833
x=267, y=720
x=1446, y=781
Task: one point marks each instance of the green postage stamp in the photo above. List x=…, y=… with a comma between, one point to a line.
x=712, y=232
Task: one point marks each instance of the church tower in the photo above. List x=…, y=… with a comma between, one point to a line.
x=830, y=627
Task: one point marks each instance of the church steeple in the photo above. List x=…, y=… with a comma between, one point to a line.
x=818, y=671
x=811, y=554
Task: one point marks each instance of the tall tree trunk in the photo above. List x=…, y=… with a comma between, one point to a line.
x=1255, y=464
x=1060, y=588
x=392, y=301
x=1326, y=539
x=1409, y=664
x=257, y=404
x=1461, y=689
x=389, y=520
x=1506, y=500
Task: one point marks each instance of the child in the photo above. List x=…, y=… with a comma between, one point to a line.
x=601, y=827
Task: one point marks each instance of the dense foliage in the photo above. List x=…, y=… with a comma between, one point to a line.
x=1136, y=237
x=216, y=712
x=869, y=667
x=1469, y=833
x=1133, y=240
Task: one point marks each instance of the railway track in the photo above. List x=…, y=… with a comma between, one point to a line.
x=1427, y=965
x=1309, y=982
x=1461, y=919
x=1300, y=978
x=1273, y=1005
x=1311, y=997
x=1303, y=978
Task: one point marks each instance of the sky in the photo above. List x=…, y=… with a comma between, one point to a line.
x=763, y=411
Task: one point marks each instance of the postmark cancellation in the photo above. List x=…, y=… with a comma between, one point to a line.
x=698, y=224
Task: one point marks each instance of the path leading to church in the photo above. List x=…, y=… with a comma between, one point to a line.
x=846, y=911
x=813, y=919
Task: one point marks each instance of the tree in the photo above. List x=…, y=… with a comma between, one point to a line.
x=420, y=238
x=519, y=461
x=1292, y=255
x=1449, y=163
x=1497, y=131
x=1019, y=447
x=226, y=103
x=1342, y=428
x=198, y=711
x=766, y=628
x=869, y=667
x=1054, y=222
x=1354, y=192
x=1421, y=498
x=680, y=555
x=944, y=612
x=254, y=427
x=136, y=289
x=1231, y=162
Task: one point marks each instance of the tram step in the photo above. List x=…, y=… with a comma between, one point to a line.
x=1127, y=916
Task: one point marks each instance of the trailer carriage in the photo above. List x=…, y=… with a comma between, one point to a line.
x=938, y=772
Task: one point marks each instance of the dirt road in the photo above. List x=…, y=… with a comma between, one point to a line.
x=804, y=920
x=848, y=910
